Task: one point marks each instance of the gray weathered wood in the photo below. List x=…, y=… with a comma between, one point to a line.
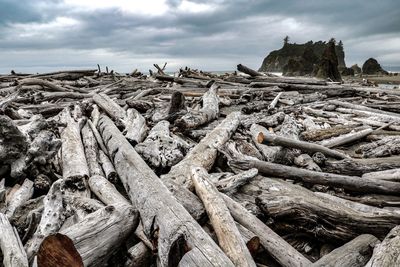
x=204, y=153
x=228, y=235
x=12, y=250
x=282, y=251
x=387, y=254
x=158, y=208
x=355, y=253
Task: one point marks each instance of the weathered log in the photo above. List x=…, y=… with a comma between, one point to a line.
x=262, y=119
x=385, y=147
x=108, y=167
x=91, y=151
x=207, y=113
x=248, y=71
x=95, y=238
x=279, y=249
x=12, y=250
x=346, y=138
x=269, y=152
x=135, y=127
x=265, y=139
x=387, y=253
x=361, y=107
x=223, y=224
x=106, y=191
x=97, y=136
x=24, y=193
x=139, y=255
x=352, y=183
x=388, y=175
x=114, y=110
x=75, y=168
x=355, y=253
x=317, y=213
x=305, y=161
x=275, y=101
x=159, y=209
x=161, y=149
x=204, y=153
x=375, y=200
x=231, y=183
x=52, y=218
x=322, y=134
x=360, y=166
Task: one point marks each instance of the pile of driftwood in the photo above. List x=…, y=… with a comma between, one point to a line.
x=197, y=169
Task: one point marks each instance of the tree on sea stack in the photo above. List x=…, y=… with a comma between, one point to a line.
x=328, y=65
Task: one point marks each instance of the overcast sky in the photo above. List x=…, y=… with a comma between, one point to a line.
x=47, y=35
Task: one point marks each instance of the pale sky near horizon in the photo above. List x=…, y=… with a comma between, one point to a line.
x=47, y=35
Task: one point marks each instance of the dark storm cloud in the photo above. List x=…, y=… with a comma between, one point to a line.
x=225, y=33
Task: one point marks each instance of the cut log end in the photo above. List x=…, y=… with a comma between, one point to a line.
x=58, y=250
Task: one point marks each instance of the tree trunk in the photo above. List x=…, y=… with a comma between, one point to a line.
x=355, y=253
x=204, y=153
x=24, y=193
x=387, y=253
x=95, y=238
x=53, y=217
x=265, y=139
x=388, y=175
x=207, y=113
x=279, y=249
x=223, y=224
x=351, y=183
x=165, y=221
x=13, y=252
x=135, y=127
x=317, y=213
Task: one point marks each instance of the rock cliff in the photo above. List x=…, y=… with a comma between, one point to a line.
x=278, y=59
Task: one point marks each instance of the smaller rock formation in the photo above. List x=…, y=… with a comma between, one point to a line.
x=347, y=72
x=328, y=65
x=372, y=67
x=356, y=69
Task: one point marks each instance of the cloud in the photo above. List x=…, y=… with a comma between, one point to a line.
x=211, y=35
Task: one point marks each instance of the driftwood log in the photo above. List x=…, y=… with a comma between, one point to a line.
x=158, y=209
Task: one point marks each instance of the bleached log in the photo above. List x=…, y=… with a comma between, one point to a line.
x=385, y=147
x=161, y=149
x=11, y=246
x=135, y=127
x=231, y=183
x=3, y=190
x=97, y=136
x=248, y=71
x=204, y=153
x=383, y=117
x=266, y=138
x=263, y=119
x=24, y=193
x=207, y=113
x=322, y=134
x=139, y=255
x=75, y=168
x=108, y=167
x=223, y=224
x=387, y=253
x=275, y=101
x=360, y=166
x=279, y=249
x=355, y=253
x=52, y=218
x=106, y=191
x=95, y=238
x=159, y=209
x=269, y=152
x=317, y=213
x=91, y=151
x=388, y=175
x=305, y=161
x=346, y=138
x=352, y=183
x=114, y=110
x=361, y=107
